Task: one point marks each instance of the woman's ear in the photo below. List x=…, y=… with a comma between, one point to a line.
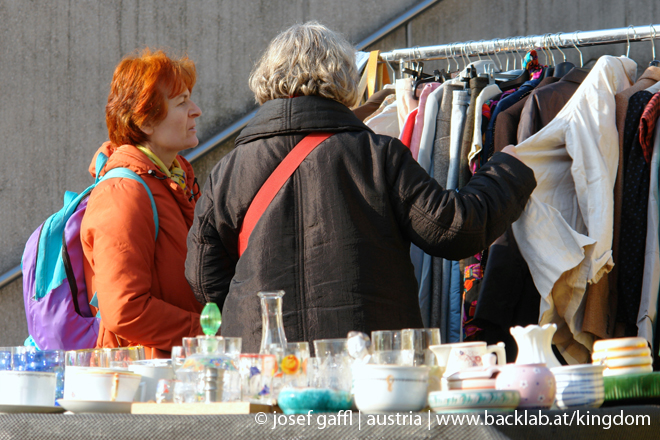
x=147, y=129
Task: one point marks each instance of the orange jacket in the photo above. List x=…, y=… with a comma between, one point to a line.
x=141, y=287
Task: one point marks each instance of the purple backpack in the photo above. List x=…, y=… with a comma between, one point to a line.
x=54, y=288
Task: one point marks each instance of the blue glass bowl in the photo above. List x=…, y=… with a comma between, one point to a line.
x=320, y=400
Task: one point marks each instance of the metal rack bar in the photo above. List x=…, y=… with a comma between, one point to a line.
x=511, y=44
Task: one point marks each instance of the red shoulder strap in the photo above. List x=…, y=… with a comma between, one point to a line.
x=274, y=183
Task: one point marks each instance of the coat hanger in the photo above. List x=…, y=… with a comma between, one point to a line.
x=496, y=48
x=654, y=61
x=550, y=70
x=564, y=67
x=628, y=39
x=506, y=55
x=576, y=39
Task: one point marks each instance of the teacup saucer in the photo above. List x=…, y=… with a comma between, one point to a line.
x=94, y=406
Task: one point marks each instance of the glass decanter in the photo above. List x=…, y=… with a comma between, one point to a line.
x=272, y=331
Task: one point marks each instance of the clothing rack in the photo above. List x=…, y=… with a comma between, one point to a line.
x=515, y=44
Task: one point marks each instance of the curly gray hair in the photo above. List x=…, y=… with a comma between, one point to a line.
x=307, y=59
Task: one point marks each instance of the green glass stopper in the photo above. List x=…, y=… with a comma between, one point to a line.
x=210, y=319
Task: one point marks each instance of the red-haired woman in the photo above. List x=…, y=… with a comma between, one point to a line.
x=135, y=277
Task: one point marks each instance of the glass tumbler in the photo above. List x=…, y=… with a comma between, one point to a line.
x=178, y=357
x=291, y=364
x=5, y=358
x=415, y=343
x=334, y=364
x=386, y=346
x=190, y=346
x=49, y=361
x=122, y=357
x=92, y=357
x=257, y=371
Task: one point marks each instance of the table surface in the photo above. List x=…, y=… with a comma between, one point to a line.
x=625, y=422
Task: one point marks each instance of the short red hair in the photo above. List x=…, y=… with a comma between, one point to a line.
x=138, y=92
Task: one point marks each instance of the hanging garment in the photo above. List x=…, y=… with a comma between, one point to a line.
x=451, y=285
x=565, y=232
x=422, y=262
x=547, y=102
x=408, y=126
x=419, y=119
x=650, y=77
x=386, y=121
x=404, y=101
x=489, y=92
x=506, y=130
x=476, y=86
x=441, y=146
x=648, y=306
x=508, y=296
x=373, y=103
x=459, y=113
x=634, y=211
x=504, y=103
x=470, y=265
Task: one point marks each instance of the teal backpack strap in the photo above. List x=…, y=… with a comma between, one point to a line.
x=130, y=174
x=101, y=160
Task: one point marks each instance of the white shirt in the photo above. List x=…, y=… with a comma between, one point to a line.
x=565, y=231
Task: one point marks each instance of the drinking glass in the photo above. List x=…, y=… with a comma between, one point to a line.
x=232, y=347
x=257, y=371
x=386, y=346
x=415, y=343
x=49, y=361
x=291, y=364
x=19, y=357
x=122, y=357
x=386, y=340
x=5, y=358
x=178, y=357
x=92, y=357
x=165, y=390
x=330, y=347
x=334, y=364
x=190, y=346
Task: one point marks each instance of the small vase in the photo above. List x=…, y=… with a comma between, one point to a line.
x=535, y=383
x=535, y=344
x=272, y=331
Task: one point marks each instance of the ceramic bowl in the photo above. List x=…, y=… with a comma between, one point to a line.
x=579, y=385
x=385, y=388
x=89, y=383
x=27, y=388
x=535, y=383
x=455, y=400
x=293, y=400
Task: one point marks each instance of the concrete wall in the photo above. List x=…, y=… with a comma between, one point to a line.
x=57, y=59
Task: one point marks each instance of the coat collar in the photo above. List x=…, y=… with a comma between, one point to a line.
x=303, y=114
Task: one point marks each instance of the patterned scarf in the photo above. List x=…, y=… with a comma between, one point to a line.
x=175, y=172
x=531, y=63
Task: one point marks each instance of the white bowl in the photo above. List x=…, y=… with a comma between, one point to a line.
x=579, y=385
x=386, y=388
x=89, y=383
x=27, y=388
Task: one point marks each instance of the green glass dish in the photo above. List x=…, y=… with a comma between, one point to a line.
x=632, y=388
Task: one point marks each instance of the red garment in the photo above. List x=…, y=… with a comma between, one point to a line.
x=408, y=126
x=142, y=291
x=647, y=125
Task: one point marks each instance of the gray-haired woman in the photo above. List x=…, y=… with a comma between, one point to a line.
x=336, y=237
